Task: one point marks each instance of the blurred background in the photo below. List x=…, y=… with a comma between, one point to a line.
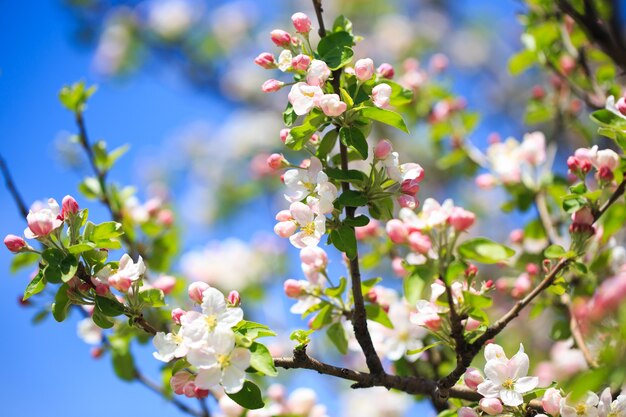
x=176, y=80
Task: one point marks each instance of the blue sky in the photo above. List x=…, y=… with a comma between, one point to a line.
x=47, y=370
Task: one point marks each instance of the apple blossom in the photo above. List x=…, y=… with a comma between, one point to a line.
x=312, y=226
x=265, y=60
x=397, y=231
x=69, y=206
x=234, y=298
x=283, y=135
x=301, y=22
x=609, y=408
x=427, y=315
x=169, y=346
x=419, y=242
x=216, y=315
x=43, y=220
x=280, y=38
x=466, y=412
x=303, y=97
x=472, y=378
x=332, y=105
x=383, y=149
x=177, y=315
x=301, y=62
x=284, y=60
x=364, y=69
x=533, y=148
x=386, y=71
x=14, y=243
x=551, y=401
x=381, y=94
x=312, y=182
x=277, y=161
x=317, y=73
x=222, y=364
x=584, y=407
x=461, y=219
x=491, y=406
x=196, y=291
x=506, y=379
x=271, y=86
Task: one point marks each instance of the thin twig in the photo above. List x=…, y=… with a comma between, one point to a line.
x=10, y=184
x=577, y=333
x=152, y=386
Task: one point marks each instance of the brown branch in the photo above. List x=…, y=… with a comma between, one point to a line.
x=10, y=184
x=619, y=191
x=577, y=333
x=359, y=318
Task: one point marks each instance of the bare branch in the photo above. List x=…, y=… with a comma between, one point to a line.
x=10, y=184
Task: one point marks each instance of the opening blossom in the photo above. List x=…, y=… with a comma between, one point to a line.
x=381, y=94
x=584, y=407
x=43, y=220
x=507, y=378
x=331, y=105
x=312, y=226
x=303, y=97
x=313, y=181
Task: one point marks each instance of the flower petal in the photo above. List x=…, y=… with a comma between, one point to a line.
x=488, y=389
x=497, y=371
x=233, y=379
x=511, y=398
x=208, y=378
x=525, y=384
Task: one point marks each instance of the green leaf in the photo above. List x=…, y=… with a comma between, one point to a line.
x=337, y=334
x=368, y=284
x=249, y=397
x=110, y=307
x=301, y=336
x=90, y=188
x=101, y=319
x=352, y=198
x=423, y=349
x=477, y=300
x=22, y=260
x=261, y=359
x=573, y=203
x=342, y=24
x=289, y=116
x=253, y=330
x=153, y=297
x=521, y=61
x=554, y=252
x=61, y=304
x=105, y=231
x=483, y=250
x=81, y=247
x=338, y=290
x=327, y=144
x=74, y=97
x=413, y=286
x=35, y=286
x=377, y=314
x=388, y=117
x=343, y=238
x=352, y=175
x=358, y=221
x=354, y=137
x=68, y=267
x=53, y=256
x=323, y=317
x=336, y=49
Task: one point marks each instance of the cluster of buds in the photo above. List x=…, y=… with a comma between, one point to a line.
x=408, y=175
x=604, y=161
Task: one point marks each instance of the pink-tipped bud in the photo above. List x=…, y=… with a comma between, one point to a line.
x=489, y=284
x=122, y=284
x=383, y=149
x=568, y=64
x=284, y=215
x=397, y=266
x=234, y=298
x=165, y=283
x=200, y=393
x=396, y=230
x=386, y=71
x=461, y=219
x=486, y=181
x=96, y=352
x=516, y=236
x=301, y=22
x=277, y=161
x=408, y=201
x=467, y=412
x=473, y=378
x=364, y=69
x=177, y=315
x=621, y=105
x=551, y=401
x=584, y=216
x=14, y=243
x=471, y=324
x=69, y=206
x=491, y=406
x=272, y=85
x=532, y=269
x=439, y=63
x=285, y=229
x=102, y=289
x=283, y=134
x=471, y=271
x=410, y=186
x=538, y=92
x=265, y=60
x=605, y=174
x=196, y=291
x=280, y=38
x=301, y=62
x=521, y=286
x=293, y=288
x=419, y=243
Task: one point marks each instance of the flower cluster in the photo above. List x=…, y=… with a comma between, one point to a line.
x=604, y=161
x=207, y=340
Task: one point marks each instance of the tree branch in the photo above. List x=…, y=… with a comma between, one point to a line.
x=359, y=318
x=10, y=184
x=152, y=386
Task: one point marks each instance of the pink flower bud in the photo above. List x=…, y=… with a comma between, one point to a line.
x=301, y=22
x=521, y=286
x=397, y=231
x=407, y=201
x=276, y=393
x=583, y=216
x=280, y=38
x=177, y=314
x=532, y=269
x=471, y=271
x=486, y=181
x=410, y=186
x=165, y=283
x=14, y=243
x=516, y=236
x=471, y=324
x=301, y=62
x=283, y=134
x=196, y=291
x=621, y=105
x=397, y=267
x=381, y=94
x=538, y=92
x=473, y=378
x=102, y=289
x=314, y=256
x=180, y=380
x=166, y=217
x=568, y=64
x=419, y=243
x=96, y=352
x=276, y=161
x=122, y=284
x=285, y=229
x=386, y=71
x=438, y=63
x=293, y=288
x=364, y=69
x=467, y=412
x=369, y=230
x=200, y=393
x=265, y=60
x=69, y=206
x=332, y=105
x=272, y=85
x=383, y=149
x=283, y=216
x=491, y=406
x=461, y=219
x=551, y=401
x=234, y=298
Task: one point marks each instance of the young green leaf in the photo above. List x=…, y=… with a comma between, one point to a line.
x=261, y=359
x=249, y=397
x=483, y=250
x=388, y=117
